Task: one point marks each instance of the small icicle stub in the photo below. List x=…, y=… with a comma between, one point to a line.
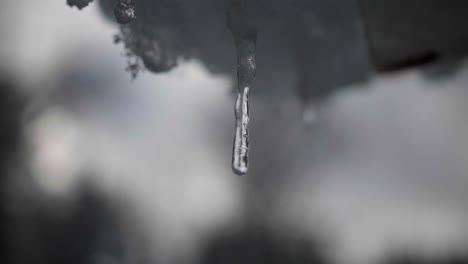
x=245, y=37
x=145, y=51
x=124, y=11
x=80, y=4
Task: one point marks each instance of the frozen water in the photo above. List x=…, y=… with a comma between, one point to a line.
x=240, y=156
x=79, y=3
x=124, y=11
x=245, y=36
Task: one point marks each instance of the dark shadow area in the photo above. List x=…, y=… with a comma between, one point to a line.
x=404, y=34
x=87, y=232
x=259, y=245
x=11, y=107
x=415, y=259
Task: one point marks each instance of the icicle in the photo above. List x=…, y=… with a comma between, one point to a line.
x=245, y=36
x=124, y=11
x=240, y=156
x=80, y=4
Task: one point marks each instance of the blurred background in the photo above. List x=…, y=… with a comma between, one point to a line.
x=359, y=148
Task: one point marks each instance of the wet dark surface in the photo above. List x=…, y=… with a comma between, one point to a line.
x=404, y=34
x=322, y=46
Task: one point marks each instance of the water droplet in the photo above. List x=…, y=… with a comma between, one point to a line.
x=157, y=58
x=124, y=11
x=310, y=113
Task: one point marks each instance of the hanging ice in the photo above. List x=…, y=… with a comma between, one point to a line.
x=240, y=156
x=79, y=3
x=245, y=36
x=124, y=11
